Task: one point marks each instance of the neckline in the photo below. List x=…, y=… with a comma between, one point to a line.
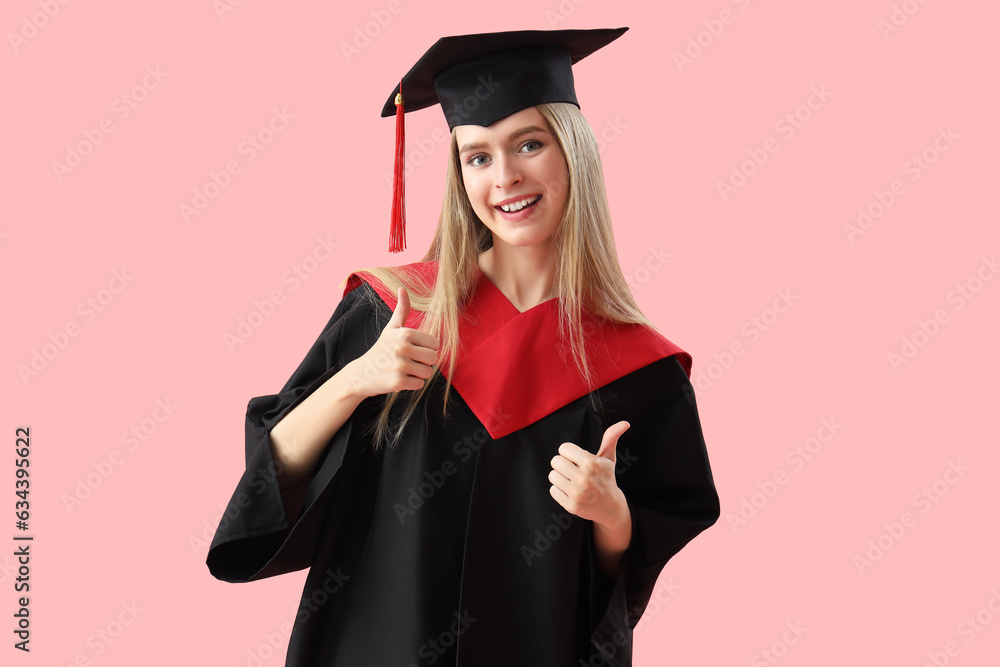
x=485, y=280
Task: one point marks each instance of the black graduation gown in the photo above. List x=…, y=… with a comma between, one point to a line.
x=448, y=549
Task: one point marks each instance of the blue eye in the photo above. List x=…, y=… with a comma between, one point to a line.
x=532, y=142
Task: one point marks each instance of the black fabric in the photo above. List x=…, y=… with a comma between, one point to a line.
x=479, y=79
x=448, y=549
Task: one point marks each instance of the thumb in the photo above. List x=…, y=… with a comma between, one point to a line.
x=402, y=310
x=610, y=441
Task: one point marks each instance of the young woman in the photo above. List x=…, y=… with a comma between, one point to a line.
x=488, y=456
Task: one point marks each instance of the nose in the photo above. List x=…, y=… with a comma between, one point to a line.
x=507, y=172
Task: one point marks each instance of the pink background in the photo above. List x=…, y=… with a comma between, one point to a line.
x=671, y=133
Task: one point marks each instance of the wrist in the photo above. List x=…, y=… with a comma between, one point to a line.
x=616, y=531
x=352, y=389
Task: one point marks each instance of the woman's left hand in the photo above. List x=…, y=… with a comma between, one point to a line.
x=584, y=483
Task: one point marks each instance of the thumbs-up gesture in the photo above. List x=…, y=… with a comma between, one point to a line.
x=401, y=359
x=584, y=483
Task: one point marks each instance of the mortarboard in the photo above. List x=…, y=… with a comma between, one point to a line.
x=479, y=79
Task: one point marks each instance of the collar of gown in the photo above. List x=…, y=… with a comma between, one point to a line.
x=512, y=368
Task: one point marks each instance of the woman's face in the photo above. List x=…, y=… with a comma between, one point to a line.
x=515, y=159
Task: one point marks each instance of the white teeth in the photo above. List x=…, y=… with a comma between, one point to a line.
x=518, y=205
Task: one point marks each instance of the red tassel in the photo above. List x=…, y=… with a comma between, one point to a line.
x=397, y=228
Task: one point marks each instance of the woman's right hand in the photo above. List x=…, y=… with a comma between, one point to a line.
x=401, y=358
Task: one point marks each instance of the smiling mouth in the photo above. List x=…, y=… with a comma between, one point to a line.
x=513, y=207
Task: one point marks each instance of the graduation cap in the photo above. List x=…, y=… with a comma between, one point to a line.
x=479, y=79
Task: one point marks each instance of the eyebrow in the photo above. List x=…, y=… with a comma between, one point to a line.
x=511, y=137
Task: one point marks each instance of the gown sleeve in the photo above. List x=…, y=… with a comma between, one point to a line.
x=672, y=498
x=264, y=531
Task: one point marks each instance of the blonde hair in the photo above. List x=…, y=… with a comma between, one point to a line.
x=587, y=276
